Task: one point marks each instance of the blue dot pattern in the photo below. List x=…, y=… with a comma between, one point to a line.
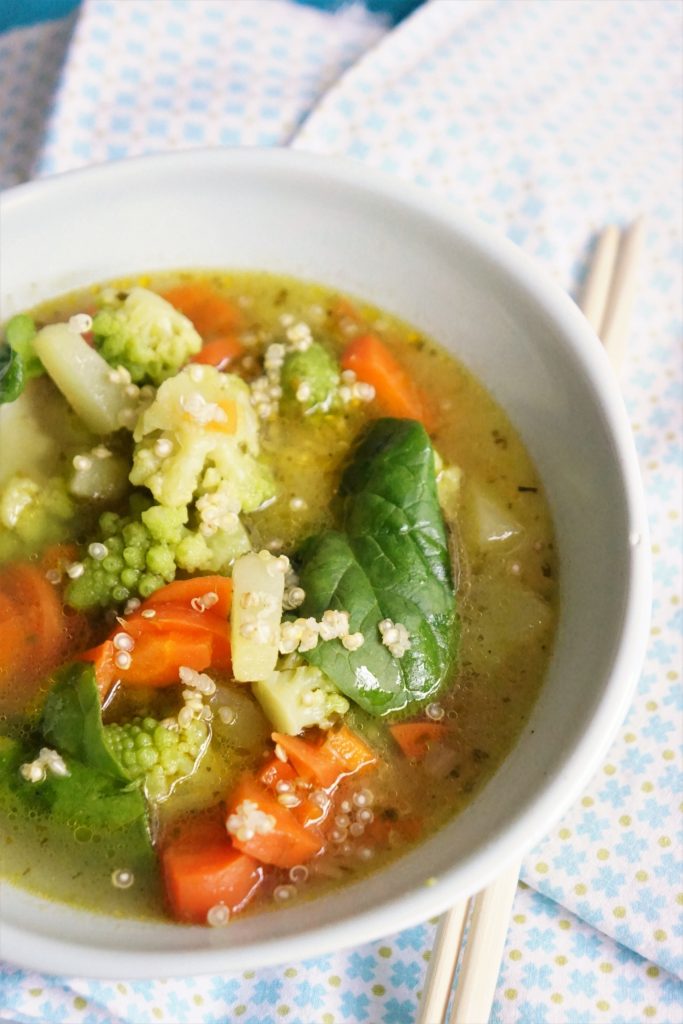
x=546, y=120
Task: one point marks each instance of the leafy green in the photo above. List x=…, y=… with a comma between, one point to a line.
x=20, y=332
x=72, y=721
x=85, y=799
x=96, y=798
x=12, y=377
x=391, y=561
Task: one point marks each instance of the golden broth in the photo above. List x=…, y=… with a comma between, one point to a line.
x=507, y=601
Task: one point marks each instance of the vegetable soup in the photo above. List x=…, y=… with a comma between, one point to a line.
x=277, y=593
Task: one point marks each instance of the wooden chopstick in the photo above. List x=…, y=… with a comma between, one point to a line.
x=607, y=303
x=480, y=965
x=607, y=300
x=448, y=940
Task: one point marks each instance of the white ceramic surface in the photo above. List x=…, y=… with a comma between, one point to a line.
x=344, y=226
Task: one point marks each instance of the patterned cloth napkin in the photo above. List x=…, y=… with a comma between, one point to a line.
x=547, y=120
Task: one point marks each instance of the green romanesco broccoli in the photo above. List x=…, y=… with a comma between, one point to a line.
x=132, y=556
x=145, y=334
x=33, y=514
x=310, y=378
x=297, y=698
x=197, y=444
x=148, y=750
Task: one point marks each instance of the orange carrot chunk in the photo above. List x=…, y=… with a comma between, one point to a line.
x=395, y=390
x=348, y=749
x=312, y=763
x=202, y=869
x=262, y=828
x=219, y=353
x=211, y=313
x=33, y=629
x=415, y=738
x=275, y=771
x=184, y=592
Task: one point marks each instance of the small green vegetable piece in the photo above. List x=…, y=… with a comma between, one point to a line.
x=33, y=514
x=314, y=369
x=147, y=335
x=12, y=377
x=298, y=698
x=101, y=479
x=161, y=757
x=86, y=799
x=72, y=721
x=391, y=562
x=139, y=556
x=20, y=332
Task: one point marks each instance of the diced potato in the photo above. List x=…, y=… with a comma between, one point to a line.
x=258, y=589
x=238, y=718
x=487, y=521
x=448, y=489
x=83, y=377
x=101, y=479
x=511, y=615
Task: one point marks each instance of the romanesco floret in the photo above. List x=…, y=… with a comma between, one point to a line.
x=147, y=335
x=33, y=514
x=132, y=556
x=197, y=444
x=161, y=756
x=310, y=378
x=295, y=699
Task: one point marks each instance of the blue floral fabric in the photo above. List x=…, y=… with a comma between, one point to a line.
x=546, y=120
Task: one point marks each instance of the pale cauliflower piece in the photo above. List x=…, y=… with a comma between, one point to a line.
x=197, y=446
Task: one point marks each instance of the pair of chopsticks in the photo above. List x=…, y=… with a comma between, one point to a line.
x=471, y=936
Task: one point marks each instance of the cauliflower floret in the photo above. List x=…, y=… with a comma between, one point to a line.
x=146, y=335
x=198, y=441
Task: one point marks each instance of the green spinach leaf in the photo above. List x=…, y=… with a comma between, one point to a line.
x=12, y=377
x=72, y=720
x=83, y=801
x=390, y=561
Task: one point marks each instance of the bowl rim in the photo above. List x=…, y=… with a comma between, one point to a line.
x=577, y=764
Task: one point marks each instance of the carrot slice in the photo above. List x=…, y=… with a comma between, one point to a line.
x=275, y=771
x=348, y=749
x=13, y=639
x=155, y=661
x=172, y=619
x=219, y=353
x=202, y=868
x=285, y=843
x=415, y=738
x=310, y=762
x=395, y=390
x=42, y=636
x=157, y=658
x=183, y=592
x=174, y=636
x=211, y=313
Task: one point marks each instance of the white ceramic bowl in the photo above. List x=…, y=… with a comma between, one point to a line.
x=417, y=256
